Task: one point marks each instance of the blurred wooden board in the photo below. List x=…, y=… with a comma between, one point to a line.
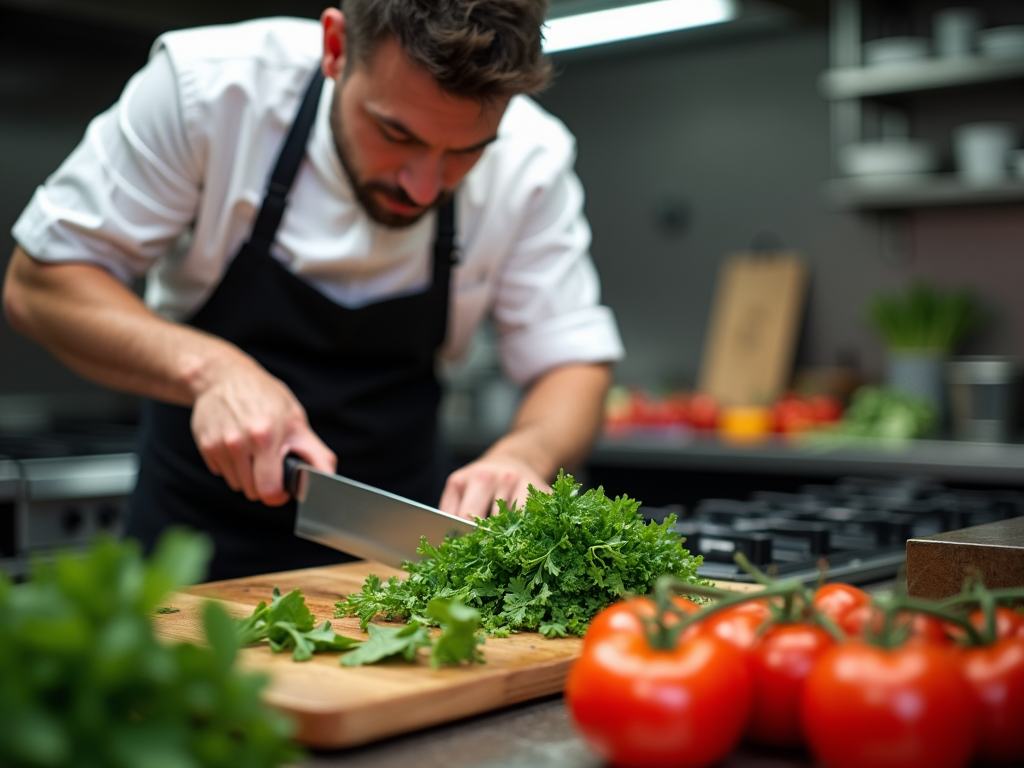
x=937, y=565
x=748, y=354
x=336, y=706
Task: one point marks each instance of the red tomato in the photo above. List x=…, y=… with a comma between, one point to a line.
x=625, y=617
x=923, y=628
x=737, y=625
x=780, y=660
x=677, y=409
x=837, y=600
x=793, y=415
x=1009, y=623
x=703, y=411
x=637, y=706
x=907, y=707
x=825, y=409
x=996, y=674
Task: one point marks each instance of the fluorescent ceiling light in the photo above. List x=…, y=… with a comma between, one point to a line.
x=630, y=21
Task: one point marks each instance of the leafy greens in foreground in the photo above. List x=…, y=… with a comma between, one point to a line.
x=549, y=566
x=85, y=683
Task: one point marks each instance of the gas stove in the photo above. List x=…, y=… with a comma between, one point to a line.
x=60, y=488
x=856, y=530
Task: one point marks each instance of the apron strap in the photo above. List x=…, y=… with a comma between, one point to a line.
x=446, y=255
x=287, y=167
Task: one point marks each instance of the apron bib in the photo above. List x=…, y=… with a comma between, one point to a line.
x=365, y=376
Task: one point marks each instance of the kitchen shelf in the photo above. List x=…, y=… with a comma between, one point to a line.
x=945, y=460
x=850, y=86
x=932, y=191
x=691, y=451
x=910, y=76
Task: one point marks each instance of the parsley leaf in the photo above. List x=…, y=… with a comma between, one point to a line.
x=549, y=566
x=387, y=643
x=287, y=623
x=460, y=636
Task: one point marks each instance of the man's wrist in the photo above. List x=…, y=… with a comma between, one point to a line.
x=212, y=363
x=524, y=446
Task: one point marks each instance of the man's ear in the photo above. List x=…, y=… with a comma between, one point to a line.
x=333, y=22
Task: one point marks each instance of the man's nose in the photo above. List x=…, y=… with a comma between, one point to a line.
x=421, y=178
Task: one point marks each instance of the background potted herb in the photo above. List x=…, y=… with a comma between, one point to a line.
x=920, y=328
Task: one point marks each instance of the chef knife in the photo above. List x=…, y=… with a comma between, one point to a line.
x=363, y=520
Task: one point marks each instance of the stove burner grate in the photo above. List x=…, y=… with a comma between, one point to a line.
x=857, y=529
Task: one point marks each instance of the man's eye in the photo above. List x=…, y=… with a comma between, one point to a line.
x=394, y=138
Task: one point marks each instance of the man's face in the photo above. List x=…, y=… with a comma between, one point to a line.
x=404, y=143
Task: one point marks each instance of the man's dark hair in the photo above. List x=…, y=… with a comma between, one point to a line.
x=476, y=49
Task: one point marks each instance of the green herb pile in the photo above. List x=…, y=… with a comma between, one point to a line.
x=85, y=683
x=886, y=414
x=549, y=566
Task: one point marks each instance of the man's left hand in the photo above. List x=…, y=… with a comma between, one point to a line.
x=473, y=490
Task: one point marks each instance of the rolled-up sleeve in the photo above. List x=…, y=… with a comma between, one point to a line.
x=127, y=191
x=547, y=309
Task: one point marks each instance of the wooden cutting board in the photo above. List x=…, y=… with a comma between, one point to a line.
x=335, y=706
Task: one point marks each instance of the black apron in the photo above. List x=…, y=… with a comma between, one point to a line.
x=365, y=376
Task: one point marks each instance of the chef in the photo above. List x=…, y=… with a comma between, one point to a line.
x=322, y=213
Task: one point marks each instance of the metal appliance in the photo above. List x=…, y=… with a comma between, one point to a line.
x=60, y=488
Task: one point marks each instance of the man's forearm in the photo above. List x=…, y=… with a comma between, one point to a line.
x=103, y=331
x=558, y=419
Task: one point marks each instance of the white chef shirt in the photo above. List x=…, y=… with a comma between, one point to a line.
x=169, y=180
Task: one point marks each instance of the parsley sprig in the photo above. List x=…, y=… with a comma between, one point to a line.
x=549, y=566
x=287, y=623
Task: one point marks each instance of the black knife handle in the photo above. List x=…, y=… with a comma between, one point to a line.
x=292, y=465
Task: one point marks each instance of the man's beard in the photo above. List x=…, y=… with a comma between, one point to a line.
x=364, y=191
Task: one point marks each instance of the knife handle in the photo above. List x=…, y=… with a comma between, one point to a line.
x=292, y=465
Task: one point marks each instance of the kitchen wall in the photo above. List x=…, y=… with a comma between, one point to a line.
x=739, y=133
x=687, y=154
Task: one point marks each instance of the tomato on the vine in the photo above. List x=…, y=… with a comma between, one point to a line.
x=905, y=707
x=737, y=625
x=1009, y=623
x=920, y=627
x=996, y=674
x=627, y=616
x=650, y=708
x=835, y=601
x=780, y=660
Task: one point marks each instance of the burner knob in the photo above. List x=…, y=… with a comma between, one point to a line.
x=107, y=516
x=71, y=520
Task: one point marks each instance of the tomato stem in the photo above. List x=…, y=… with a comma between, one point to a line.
x=892, y=634
x=659, y=635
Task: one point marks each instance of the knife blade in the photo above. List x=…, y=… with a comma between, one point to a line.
x=362, y=520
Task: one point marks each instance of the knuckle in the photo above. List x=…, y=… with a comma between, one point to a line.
x=233, y=442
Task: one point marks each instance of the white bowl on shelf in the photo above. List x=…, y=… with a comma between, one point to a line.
x=1002, y=42
x=983, y=151
x=894, y=159
x=895, y=50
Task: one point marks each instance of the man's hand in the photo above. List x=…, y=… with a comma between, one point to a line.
x=245, y=422
x=473, y=490
x=554, y=428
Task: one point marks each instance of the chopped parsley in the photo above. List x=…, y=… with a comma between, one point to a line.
x=547, y=567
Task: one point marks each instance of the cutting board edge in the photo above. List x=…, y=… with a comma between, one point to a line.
x=341, y=729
